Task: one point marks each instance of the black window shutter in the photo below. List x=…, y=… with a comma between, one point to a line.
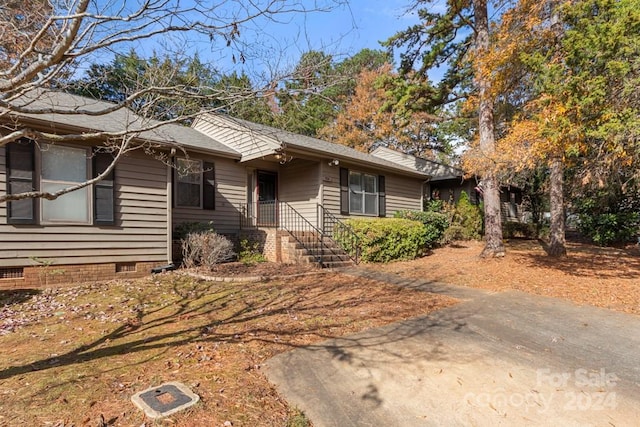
x=20, y=179
x=103, y=190
x=382, y=198
x=209, y=186
x=344, y=191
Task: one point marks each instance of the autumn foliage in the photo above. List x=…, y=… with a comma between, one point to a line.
x=369, y=118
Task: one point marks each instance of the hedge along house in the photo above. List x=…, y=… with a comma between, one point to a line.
x=305, y=187
x=120, y=226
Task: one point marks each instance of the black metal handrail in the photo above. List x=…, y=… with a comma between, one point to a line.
x=302, y=230
x=285, y=217
x=340, y=233
x=260, y=214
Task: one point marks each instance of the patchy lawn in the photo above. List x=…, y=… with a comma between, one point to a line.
x=603, y=277
x=74, y=356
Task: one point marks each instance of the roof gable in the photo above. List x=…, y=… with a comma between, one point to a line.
x=255, y=140
x=234, y=133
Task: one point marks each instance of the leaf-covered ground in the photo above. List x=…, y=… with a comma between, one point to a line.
x=603, y=277
x=74, y=356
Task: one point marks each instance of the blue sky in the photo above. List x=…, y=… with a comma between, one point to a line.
x=362, y=25
x=273, y=47
x=341, y=32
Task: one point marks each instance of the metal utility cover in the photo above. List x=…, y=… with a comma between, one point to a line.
x=165, y=399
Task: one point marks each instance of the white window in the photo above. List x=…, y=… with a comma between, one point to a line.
x=61, y=168
x=363, y=193
x=188, y=183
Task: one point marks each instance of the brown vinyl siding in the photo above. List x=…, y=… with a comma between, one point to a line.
x=299, y=185
x=330, y=176
x=403, y=193
x=231, y=182
x=138, y=236
x=397, y=157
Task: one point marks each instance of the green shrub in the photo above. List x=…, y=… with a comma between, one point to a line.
x=435, y=223
x=512, y=230
x=250, y=253
x=387, y=239
x=607, y=228
x=455, y=232
x=610, y=215
x=434, y=205
x=465, y=219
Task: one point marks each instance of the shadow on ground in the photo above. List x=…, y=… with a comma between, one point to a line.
x=277, y=316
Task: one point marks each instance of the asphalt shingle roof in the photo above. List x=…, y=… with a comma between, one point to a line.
x=437, y=170
x=68, y=110
x=303, y=142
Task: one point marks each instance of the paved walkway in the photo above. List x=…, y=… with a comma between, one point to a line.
x=508, y=358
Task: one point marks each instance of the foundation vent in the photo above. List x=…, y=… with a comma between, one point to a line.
x=11, y=273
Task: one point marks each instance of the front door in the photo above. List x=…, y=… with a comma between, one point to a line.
x=267, y=199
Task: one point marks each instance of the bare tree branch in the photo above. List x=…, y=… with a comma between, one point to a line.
x=44, y=44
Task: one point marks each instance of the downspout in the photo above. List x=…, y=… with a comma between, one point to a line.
x=320, y=196
x=170, y=207
x=169, y=243
x=425, y=184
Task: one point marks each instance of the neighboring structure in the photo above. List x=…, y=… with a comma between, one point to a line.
x=248, y=179
x=448, y=182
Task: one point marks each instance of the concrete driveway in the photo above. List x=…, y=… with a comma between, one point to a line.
x=509, y=359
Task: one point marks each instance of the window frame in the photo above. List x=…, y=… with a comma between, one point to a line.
x=363, y=193
x=200, y=173
x=24, y=160
x=88, y=189
x=107, y=186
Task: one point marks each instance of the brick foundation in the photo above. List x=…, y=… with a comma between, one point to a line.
x=267, y=239
x=65, y=275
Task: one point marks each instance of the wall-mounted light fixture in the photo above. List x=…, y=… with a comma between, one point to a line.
x=334, y=162
x=282, y=157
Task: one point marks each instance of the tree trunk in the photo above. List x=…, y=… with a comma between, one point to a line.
x=557, y=246
x=491, y=192
x=492, y=219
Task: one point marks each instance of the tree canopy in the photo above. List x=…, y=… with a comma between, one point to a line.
x=457, y=38
x=567, y=71
x=371, y=118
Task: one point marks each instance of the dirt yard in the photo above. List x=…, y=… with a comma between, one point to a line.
x=75, y=356
x=603, y=277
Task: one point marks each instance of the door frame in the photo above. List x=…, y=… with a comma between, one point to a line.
x=267, y=216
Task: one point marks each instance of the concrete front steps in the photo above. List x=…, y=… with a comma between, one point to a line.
x=309, y=250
